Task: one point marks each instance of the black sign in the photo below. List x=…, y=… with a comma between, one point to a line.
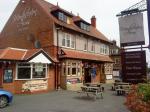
x=134, y=66
x=8, y=76
x=148, y=16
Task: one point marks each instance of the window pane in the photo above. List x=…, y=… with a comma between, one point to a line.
x=63, y=41
x=60, y=16
x=39, y=74
x=68, y=71
x=68, y=40
x=74, y=71
x=24, y=73
x=73, y=43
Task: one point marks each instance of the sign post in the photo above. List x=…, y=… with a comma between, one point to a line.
x=148, y=17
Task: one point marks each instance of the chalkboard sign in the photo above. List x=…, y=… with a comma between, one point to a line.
x=8, y=76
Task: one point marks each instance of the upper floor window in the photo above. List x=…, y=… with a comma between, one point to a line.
x=68, y=40
x=92, y=47
x=62, y=16
x=104, y=49
x=84, y=26
x=85, y=45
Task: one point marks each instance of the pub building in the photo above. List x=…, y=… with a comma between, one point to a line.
x=44, y=47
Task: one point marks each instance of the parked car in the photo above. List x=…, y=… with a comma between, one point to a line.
x=5, y=98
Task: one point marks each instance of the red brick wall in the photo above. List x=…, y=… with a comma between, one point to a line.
x=16, y=86
x=22, y=31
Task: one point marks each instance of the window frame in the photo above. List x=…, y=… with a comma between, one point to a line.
x=31, y=73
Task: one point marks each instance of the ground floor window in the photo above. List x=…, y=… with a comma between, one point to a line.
x=31, y=71
x=72, y=68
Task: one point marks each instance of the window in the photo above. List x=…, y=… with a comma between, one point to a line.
x=31, y=71
x=62, y=17
x=39, y=71
x=68, y=40
x=63, y=41
x=72, y=42
x=92, y=47
x=104, y=49
x=117, y=61
x=85, y=45
x=72, y=69
x=84, y=26
x=24, y=71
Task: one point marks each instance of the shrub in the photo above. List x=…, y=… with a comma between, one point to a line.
x=144, y=91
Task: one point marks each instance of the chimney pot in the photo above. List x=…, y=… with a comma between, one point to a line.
x=93, y=21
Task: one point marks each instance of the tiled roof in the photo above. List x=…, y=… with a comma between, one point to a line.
x=85, y=56
x=48, y=7
x=20, y=54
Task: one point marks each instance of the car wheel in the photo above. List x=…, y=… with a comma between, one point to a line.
x=3, y=101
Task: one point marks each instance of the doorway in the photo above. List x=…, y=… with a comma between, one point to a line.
x=87, y=75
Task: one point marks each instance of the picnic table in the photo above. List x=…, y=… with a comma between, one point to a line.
x=92, y=89
x=122, y=88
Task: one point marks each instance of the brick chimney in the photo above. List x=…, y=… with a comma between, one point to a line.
x=93, y=21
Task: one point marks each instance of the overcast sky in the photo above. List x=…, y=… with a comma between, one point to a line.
x=104, y=10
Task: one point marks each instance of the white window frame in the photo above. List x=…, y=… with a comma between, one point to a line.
x=69, y=38
x=31, y=74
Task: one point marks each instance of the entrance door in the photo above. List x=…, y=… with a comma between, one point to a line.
x=1, y=73
x=102, y=77
x=87, y=75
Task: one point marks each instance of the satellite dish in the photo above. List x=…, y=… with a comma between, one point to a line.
x=37, y=44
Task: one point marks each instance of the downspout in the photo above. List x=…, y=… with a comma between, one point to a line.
x=57, y=65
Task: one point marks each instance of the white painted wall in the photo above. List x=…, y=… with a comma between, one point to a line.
x=40, y=59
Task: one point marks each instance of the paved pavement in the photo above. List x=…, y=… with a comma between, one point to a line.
x=66, y=101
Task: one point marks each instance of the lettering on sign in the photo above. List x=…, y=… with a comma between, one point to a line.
x=35, y=85
x=133, y=66
x=23, y=19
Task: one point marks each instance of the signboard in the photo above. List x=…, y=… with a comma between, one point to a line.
x=108, y=77
x=133, y=66
x=73, y=81
x=8, y=76
x=131, y=30
x=35, y=85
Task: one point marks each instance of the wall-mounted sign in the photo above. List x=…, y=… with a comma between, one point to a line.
x=133, y=66
x=109, y=77
x=131, y=30
x=35, y=85
x=73, y=81
x=8, y=76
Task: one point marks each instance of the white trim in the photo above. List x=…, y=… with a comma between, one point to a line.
x=32, y=79
x=18, y=49
x=40, y=58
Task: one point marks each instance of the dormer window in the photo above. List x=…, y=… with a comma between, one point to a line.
x=62, y=17
x=84, y=26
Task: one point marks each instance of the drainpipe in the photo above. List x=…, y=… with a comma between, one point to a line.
x=57, y=65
